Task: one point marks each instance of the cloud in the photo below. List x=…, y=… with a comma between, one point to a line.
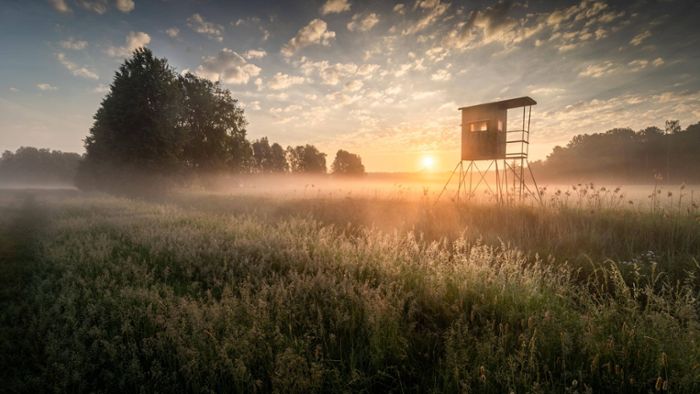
x=172, y=32
x=96, y=6
x=282, y=81
x=214, y=31
x=640, y=64
x=335, y=7
x=227, y=67
x=73, y=44
x=400, y=8
x=254, y=54
x=546, y=91
x=360, y=23
x=316, y=32
x=13, y=89
x=60, y=6
x=435, y=10
x=598, y=70
x=330, y=74
x=134, y=40
x=75, y=69
x=125, y=6
x=101, y=88
x=353, y=86
x=441, y=75
x=639, y=38
x=46, y=86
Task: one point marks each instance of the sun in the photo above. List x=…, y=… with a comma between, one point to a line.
x=427, y=163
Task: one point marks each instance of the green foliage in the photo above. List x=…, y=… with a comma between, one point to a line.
x=347, y=163
x=306, y=159
x=138, y=123
x=32, y=165
x=155, y=123
x=126, y=296
x=269, y=159
x=624, y=154
x=215, y=126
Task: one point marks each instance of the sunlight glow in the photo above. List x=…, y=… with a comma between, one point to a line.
x=427, y=163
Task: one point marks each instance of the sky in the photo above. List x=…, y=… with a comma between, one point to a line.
x=381, y=79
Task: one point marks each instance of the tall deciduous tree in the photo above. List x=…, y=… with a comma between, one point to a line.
x=268, y=158
x=138, y=123
x=215, y=126
x=347, y=163
x=306, y=159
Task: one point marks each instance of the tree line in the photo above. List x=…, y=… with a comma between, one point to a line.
x=154, y=121
x=647, y=155
x=32, y=165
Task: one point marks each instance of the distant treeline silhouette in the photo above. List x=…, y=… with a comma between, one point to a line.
x=30, y=165
x=155, y=123
x=648, y=155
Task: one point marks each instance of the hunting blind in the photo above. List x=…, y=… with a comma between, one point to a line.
x=488, y=137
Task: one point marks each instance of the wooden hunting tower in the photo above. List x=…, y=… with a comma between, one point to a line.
x=487, y=136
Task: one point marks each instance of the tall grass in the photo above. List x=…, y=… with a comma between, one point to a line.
x=212, y=295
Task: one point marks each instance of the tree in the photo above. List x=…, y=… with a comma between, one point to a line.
x=278, y=159
x=32, y=165
x=347, y=163
x=306, y=159
x=262, y=155
x=138, y=122
x=268, y=159
x=214, y=124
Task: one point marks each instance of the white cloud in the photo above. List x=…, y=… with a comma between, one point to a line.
x=435, y=10
x=366, y=70
x=254, y=54
x=640, y=64
x=335, y=7
x=330, y=74
x=73, y=44
x=96, y=6
x=254, y=106
x=639, y=38
x=598, y=70
x=172, y=32
x=316, y=32
x=441, y=75
x=282, y=81
x=227, y=67
x=546, y=91
x=46, y=86
x=60, y=6
x=75, y=69
x=134, y=40
x=360, y=23
x=101, y=89
x=125, y=5
x=400, y=8
x=353, y=86
x=214, y=31
x=13, y=89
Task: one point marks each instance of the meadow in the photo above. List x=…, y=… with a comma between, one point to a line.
x=343, y=292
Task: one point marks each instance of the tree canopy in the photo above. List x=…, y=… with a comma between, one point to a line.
x=623, y=153
x=32, y=165
x=155, y=122
x=306, y=159
x=347, y=163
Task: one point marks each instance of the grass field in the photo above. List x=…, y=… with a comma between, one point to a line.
x=215, y=293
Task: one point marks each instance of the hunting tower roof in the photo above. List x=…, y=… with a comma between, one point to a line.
x=504, y=104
